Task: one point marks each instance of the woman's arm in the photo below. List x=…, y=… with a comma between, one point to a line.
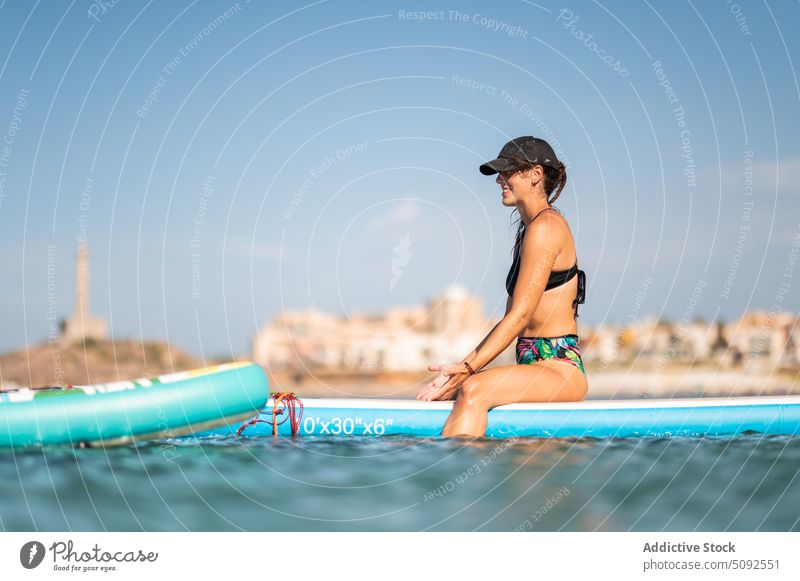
x=538, y=255
x=442, y=379
x=471, y=356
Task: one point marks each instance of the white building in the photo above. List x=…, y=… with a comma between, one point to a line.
x=447, y=329
x=765, y=339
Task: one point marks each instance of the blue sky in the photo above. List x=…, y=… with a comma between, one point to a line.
x=228, y=161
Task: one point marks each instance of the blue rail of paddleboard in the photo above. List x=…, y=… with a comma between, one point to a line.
x=505, y=422
x=124, y=411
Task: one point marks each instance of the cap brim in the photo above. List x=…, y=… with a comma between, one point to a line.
x=497, y=165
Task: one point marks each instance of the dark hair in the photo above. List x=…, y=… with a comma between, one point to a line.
x=554, y=180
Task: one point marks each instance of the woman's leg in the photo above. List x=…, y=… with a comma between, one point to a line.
x=542, y=381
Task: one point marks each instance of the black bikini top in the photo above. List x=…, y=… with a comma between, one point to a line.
x=557, y=277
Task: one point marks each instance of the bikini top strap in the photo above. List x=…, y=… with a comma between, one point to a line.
x=545, y=210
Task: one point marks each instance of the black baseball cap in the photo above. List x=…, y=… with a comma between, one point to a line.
x=531, y=149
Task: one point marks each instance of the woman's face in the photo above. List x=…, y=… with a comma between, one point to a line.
x=516, y=185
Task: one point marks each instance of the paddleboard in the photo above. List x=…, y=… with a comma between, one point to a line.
x=710, y=416
x=144, y=409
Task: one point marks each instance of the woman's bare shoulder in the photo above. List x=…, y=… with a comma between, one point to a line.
x=552, y=224
x=542, y=236
x=549, y=230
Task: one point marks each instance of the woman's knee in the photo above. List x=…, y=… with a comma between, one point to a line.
x=472, y=393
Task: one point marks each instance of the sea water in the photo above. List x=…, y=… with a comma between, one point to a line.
x=746, y=483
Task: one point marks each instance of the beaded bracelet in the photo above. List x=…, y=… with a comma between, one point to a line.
x=469, y=368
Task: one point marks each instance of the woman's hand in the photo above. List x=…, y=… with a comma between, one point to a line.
x=444, y=386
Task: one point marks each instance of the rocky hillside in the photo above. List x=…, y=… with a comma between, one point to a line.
x=90, y=362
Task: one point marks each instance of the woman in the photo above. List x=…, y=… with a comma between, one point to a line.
x=545, y=288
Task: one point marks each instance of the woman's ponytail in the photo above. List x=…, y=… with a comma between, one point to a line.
x=554, y=179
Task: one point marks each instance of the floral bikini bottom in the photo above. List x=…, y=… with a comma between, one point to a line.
x=563, y=348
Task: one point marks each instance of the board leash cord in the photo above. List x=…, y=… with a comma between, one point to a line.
x=288, y=405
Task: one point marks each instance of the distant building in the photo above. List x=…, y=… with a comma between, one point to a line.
x=446, y=329
x=601, y=344
x=764, y=340
x=82, y=325
x=450, y=325
x=454, y=312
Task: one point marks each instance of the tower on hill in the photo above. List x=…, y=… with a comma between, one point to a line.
x=81, y=325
